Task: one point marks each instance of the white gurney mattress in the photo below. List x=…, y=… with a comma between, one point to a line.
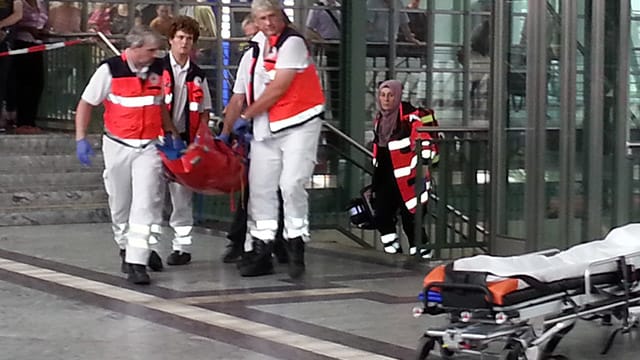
x=567, y=264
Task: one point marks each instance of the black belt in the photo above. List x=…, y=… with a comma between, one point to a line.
x=119, y=141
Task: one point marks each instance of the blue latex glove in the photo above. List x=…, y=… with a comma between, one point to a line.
x=179, y=145
x=240, y=127
x=225, y=138
x=84, y=152
x=172, y=147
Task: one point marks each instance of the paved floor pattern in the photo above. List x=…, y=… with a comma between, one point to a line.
x=62, y=297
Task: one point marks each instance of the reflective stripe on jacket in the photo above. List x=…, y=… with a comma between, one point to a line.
x=132, y=110
x=402, y=147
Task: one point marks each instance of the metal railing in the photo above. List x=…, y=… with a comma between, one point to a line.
x=459, y=201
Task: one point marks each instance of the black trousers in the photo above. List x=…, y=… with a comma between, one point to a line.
x=5, y=63
x=388, y=201
x=26, y=83
x=238, y=230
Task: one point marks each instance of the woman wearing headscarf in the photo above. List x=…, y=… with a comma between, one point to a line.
x=394, y=177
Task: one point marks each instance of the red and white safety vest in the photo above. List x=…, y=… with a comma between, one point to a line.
x=303, y=100
x=132, y=110
x=195, y=94
x=403, y=154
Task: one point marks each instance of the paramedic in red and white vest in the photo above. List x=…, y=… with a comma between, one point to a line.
x=130, y=88
x=280, y=85
x=188, y=100
x=394, y=176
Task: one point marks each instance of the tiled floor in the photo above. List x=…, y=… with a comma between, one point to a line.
x=62, y=297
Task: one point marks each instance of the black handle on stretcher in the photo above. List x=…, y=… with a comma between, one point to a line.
x=471, y=287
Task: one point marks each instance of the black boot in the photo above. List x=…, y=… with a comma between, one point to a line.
x=258, y=261
x=296, y=257
x=280, y=251
x=178, y=258
x=138, y=274
x=232, y=254
x=155, y=261
x=124, y=267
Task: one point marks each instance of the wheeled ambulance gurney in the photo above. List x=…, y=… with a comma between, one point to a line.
x=523, y=305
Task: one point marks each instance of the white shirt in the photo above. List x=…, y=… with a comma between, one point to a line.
x=321, y=22
x=180, y=93
x=99, y=85
x=293, y=54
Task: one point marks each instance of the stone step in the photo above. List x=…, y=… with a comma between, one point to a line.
x=45, y=181
x=24, y=199
x=39, y=163
x=44, y=144
x=63, y=214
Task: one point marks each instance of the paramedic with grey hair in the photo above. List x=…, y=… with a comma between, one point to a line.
x=130, y=88
x=279, y=83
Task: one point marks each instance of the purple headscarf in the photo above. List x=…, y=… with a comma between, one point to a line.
x=387, y=119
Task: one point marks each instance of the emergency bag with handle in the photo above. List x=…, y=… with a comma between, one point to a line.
x=361, y=210
x=209, y=166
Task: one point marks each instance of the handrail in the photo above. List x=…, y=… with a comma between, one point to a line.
x=460, y=215
x=110, y=45
x=348, y=139
x=443, y=129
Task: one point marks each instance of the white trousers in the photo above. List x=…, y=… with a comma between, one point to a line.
x=132, y=178
x=284, y=161
x=181, y=220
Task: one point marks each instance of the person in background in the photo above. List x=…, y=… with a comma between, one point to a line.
x=189, y=102
x=130, y=88
x=65, y=17
x=147, y=12
x=417, y=21
x=162, y=23
x=238, y=229
x=249, y=27
x=324, y=25
x=27, y=70
x=394, y=175
x=10, y=13
x=284, y=101
x=100, y=19
x=378, y=22
x=120, y=19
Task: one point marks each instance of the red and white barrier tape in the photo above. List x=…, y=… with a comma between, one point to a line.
x=42, y=47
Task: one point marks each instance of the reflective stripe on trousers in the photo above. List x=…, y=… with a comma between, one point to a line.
x=181, y=220
x=132, y=178
x=285, y=161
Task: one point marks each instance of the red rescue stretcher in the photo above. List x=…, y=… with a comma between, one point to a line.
x=520, y=307
x=209, y=166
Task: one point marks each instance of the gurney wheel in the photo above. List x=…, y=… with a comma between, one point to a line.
x=425, y=345
x=446, y=353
